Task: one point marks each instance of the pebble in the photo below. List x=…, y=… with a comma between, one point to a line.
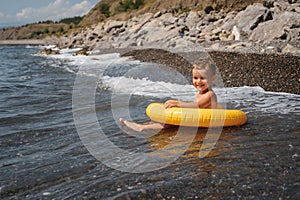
x=272, y=72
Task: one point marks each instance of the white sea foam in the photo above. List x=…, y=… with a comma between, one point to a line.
x=250, y=99
x=146, y=87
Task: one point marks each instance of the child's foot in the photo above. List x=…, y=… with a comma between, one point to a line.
x=132, y=125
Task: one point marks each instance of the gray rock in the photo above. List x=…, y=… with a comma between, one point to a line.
x=249, y=19
x=229, y=17
x=280, y=28
x=143, y=19
x=164, y=34
x=103, y=45
x=168, y=19
x=192, y=19
x=238, y=45
x=282, y=6
x=128, y=43
x=194, y=32
x=91, y=36
x=83, y=51
x=158, y=14
x=292, y=1
x=183, y=43
x=290, y=49
x=47, y=51
x=268, y=3
x=215, y=46
x=246, y=21
x=136, y=24
x=112, y=24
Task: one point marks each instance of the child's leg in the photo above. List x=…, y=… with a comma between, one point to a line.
x=141, y=127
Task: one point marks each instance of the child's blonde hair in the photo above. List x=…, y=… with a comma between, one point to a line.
x=206, y=64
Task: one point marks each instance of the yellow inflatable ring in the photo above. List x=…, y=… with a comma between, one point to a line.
x=195, y=117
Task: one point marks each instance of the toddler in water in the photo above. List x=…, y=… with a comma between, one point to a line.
x=204, y=75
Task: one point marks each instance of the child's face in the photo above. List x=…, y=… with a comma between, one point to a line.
x=202, y=79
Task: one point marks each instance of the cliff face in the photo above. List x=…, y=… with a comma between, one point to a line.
x=152, y=6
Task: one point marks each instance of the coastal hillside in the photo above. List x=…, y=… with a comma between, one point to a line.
x=33, y=31
x=125, y=9
x=121, y=10
x=257, y=26
x=272, y=26
x=40, y=30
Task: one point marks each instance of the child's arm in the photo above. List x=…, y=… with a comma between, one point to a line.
x=207, y=100
x=181, y=104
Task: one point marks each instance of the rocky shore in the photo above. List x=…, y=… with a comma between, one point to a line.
x=269, y=27
x=258, y=46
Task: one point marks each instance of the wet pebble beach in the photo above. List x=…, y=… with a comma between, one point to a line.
x=272, y=72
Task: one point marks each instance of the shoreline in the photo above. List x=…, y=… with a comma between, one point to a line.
x=272, y=72
x=276, y=72
x=33, y=42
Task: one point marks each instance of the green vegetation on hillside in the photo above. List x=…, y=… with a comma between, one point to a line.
x=122, y=6
x=104, y=9
x=60, y=30
x=41, y=29
x=71, y=20
x=126, y=5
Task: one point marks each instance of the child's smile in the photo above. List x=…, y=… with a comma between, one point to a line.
x=202, y=80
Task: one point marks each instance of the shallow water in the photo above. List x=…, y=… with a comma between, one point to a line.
x=45, y=104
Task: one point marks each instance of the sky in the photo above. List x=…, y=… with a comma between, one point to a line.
x=21, y=12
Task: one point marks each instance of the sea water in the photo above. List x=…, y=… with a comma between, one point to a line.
x=55, y=108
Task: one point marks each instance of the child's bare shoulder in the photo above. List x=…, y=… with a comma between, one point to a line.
x=207, y=100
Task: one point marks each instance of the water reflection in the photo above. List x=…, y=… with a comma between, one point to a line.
x=165, y=136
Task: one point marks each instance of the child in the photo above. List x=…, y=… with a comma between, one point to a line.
x=204, y=74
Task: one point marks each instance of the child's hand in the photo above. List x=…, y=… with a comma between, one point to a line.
x=172, y=103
